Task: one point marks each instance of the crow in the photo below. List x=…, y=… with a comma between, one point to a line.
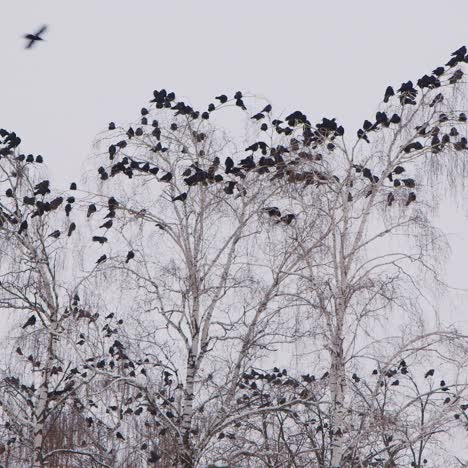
x=258, y=116
x=429, y=373
x=222, y=98
x=410, y=183
x=91, y=209
x=389, y=92
x=55, y=203
x=100, y=239
x=71, y=229
x=30, y=322
x=130, y=255
x=240, y=103
x=112, y=203
x=23, y=227
x=154, y=457
x=287, y=219
x=55, y=234
x=107, y=224
x=68, y=209
x=272, y=211
x=101, y=259
x=166, y=178
x=32, y=38
x=182, y=197
x=229, y=188
x=229, y=165
x=411, y=198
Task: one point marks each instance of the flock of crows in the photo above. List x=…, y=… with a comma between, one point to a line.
x=281, y=162
x=272, y=158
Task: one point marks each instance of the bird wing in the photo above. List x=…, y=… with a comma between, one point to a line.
x=42, y=30
x=30, y=44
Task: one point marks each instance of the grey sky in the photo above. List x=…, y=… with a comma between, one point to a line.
x=102, y=59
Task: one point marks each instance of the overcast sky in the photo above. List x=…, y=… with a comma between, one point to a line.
x=103, y=58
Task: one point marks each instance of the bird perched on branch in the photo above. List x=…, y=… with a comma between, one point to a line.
x=33, y=38
x=30, y=322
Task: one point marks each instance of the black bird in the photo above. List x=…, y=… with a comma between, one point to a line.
x=258, y=116
x=410, y=183
x=287, y=219
x=229, y=165
x=32, y=38
x=267, y=108
x=389, y=92
x=30, y=322
x=182, y=197
x=100, y=239
x=411, y=198
x=101, y=259
x=395, y=383
x=107, y=224
x=154, y=457
x=91, y=209
x=55, y=234
x=73, y=186
x=112, y=203
x=71, y=229
x=229, y=188
x=130, y=255
x=438, y=71
x=166, y=178
x=23, y=227
x=222, y=98
x=111, y=126
x=55, y=203
x=272, y=211
x=240, y=103
x=429, y=373
x=120, y=436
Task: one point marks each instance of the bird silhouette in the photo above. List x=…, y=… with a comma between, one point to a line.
x=71, y=229
x=130, y=255
x=100, y=239
x=30, y=322
x=182, y=197
x=222, y=98
x=33, y=38
x=55, y=234
x=101, y=259
x=411, y=198
x=166, y=178
x=272, y=211
x=23, y=227
x=389, y=92
x=107, y=224
x=91, y=209
x=429, y=373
